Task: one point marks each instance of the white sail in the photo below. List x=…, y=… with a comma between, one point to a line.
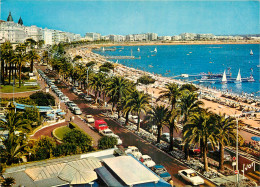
x=103, y=49
x=117, y=62
x=239, y=77
x=155, y=50
x=251, y=52
x=224, y=78
x=138, y=49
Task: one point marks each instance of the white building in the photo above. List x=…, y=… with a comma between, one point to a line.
x=129, y=38
x=188, y=36
x=47, y=36
x=166, y=38
x=117, y=38
x=93, y=36
x=34, y=33
x=11, y=31
x=176, y=38
x=152, y=36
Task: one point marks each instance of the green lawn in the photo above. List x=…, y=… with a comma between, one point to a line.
x=60, y=132
x=10, y=89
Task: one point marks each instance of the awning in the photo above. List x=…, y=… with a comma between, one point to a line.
x=61, y=113
x=58, y=110
x=107, y=177
x=255, y=138
x=50, y=115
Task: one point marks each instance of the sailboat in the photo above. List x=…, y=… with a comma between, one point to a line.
x=155, y=50
x=238, y=79
x=251, y=52
x=224, y=77
x=117, y=62
x=103, y=49
x=138, y=49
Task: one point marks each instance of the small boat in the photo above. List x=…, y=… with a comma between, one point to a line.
x=224, y=77
x=155, y=50
x=138, y=49
x=251, y=52
x=153, y=55
x=258, y=66
x=117, y=62
x=103, y=49
x=238, y=79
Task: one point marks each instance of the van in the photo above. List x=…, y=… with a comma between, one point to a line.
x=100, y=125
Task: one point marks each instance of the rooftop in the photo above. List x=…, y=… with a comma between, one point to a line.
x=130, y=171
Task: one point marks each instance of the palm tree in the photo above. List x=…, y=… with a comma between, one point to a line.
x=20, y=59
x=188, y=104
x=118, y=88
x=200, y=130
x=225, y=133
x=33, y=55
x=171, y=93
x=172, y=118
x=15, y=122
x=6, y=54
x=157, y=115
x=139, y=102
x=14, y=143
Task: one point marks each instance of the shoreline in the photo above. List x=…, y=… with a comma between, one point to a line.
x=178, y=43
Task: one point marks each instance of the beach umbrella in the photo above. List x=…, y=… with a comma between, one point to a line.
x=255, y=138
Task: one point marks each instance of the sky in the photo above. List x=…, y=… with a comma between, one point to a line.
x=166, y=17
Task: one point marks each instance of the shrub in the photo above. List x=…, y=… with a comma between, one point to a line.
x=43, y=99
x=78, y=138
x=44, y=147
x=107, y=142
x=146, y=80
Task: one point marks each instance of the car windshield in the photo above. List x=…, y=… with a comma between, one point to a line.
x=102, y=125
x=193, y=174
x=135, y=150
x=108, y=132
x=147, y=159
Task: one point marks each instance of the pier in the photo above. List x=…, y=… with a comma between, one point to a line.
x=122, y=57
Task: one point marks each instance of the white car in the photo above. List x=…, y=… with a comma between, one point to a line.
x=106, y=132
x=90, y=119
x=77, y=111
x=191, y=176
x=134, y=119
x=119, y=141
x=134, y=151
x=147, y=160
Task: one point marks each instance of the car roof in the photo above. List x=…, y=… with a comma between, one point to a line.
x=158, y=166
x=107, y=130
x=166, y=133
x=189, y=171
x=146, y=156
x=132, y=147
x=166, y=174
x=89, y=116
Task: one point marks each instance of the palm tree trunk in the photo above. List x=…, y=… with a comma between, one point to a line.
x=2, y=71
x=31, y=66
x=171, y=137
x=138, y=123
x=127, y=117
x=159, y=133
x=221, y=157
x=9, y=73
x=20, y=78
x=205, y=158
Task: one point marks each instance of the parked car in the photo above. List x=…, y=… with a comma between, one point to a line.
x=191, y=176
x=77, y=111
x=88, y=98
x=162, y=172
x=106, y=132
x=90, y=119
x=119, y=141
x=134, y=119
x=166, y=176
x=166, y=137
x=134, y=151
x=147, y=160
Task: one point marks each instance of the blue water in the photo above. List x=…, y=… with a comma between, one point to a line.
x=174, y=60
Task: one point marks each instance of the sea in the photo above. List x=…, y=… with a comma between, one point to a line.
x=175, y=60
